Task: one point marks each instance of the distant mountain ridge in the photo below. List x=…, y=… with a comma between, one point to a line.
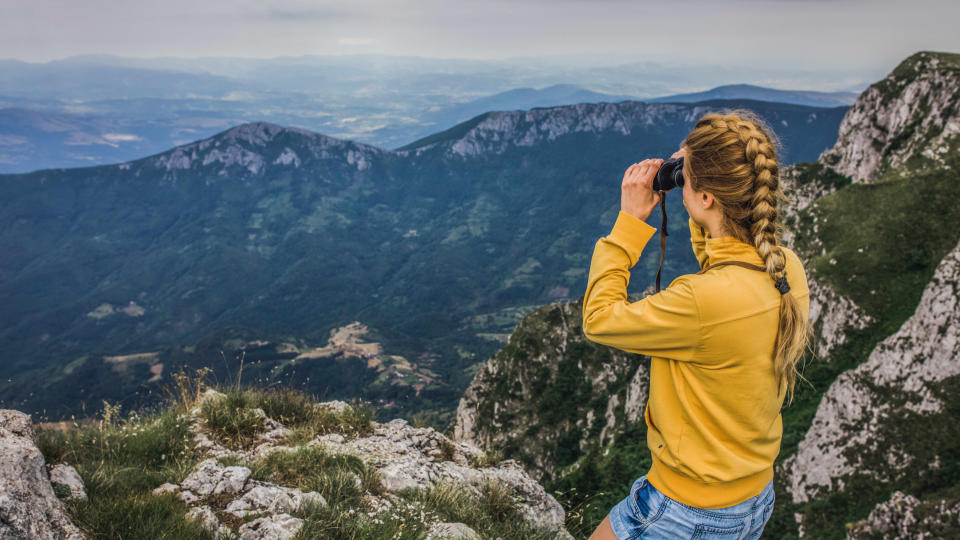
x=750, y=91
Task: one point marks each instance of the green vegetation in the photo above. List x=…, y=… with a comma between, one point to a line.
x=884, y=240
x=601, y=478
x=121, y=461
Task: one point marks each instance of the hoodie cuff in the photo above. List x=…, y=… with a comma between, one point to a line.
x=632, y=234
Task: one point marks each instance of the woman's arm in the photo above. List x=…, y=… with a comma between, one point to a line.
x=665, y=324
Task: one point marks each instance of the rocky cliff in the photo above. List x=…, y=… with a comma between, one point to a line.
x=550, y=394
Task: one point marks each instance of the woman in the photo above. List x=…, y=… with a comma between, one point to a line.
x=724, y=343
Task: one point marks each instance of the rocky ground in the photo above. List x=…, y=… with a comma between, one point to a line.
x=222, y=493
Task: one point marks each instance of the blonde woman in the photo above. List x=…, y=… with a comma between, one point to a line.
x=724, y=342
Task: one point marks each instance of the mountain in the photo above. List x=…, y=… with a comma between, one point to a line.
x=330, y=264
x=442, y=117
x=873, y=438
x=760, y=93
x=36, y=139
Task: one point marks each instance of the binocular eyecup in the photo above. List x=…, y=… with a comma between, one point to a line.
x=670, y=175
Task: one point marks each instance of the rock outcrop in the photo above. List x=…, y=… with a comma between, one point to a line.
x=404, y=456
x=28, y=506
x=904, y=517
x=551, y=384
x=913, y=112
x=901, y=376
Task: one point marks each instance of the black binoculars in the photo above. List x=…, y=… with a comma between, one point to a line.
x=670, y=175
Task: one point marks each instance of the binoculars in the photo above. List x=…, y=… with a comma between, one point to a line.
x=669, y=176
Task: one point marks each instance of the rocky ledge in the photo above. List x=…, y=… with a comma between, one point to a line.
x=222, y=493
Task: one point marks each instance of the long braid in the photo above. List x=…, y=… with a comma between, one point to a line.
x=739, y=165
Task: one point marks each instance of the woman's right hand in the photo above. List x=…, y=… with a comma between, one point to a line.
x=679, y=153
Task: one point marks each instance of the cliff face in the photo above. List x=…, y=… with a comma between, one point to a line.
x=885, y=418
x=909, y=118
x=874, y=222
x=550, y=394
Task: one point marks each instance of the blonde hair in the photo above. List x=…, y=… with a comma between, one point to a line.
x=733, y=156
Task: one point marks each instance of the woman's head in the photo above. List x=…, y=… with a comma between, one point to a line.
x=731, y=172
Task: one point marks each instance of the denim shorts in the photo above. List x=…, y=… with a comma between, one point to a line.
x=648, y=513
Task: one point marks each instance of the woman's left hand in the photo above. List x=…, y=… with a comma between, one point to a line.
x=637, y=197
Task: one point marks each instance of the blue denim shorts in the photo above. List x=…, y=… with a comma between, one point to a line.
x=648, y=513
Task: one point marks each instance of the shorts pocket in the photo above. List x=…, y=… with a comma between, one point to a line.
x=647, y=502
x=709, y=531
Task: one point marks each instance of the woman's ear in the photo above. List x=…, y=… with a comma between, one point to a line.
x=707, y=199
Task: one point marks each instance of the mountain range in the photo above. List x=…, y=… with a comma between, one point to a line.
x=280, y=245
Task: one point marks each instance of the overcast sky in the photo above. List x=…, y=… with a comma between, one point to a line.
x=768, y=33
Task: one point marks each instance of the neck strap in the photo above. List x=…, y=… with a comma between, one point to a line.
x=738, y=263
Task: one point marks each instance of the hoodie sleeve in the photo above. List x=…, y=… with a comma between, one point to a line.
x=699, y=242
x=665, y=324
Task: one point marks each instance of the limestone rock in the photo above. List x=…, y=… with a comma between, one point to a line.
x=276, y=527
x=210, y=478
x=899, y=519
x=912, y=112
x=852, y=414
x=272, y=499
x=68, y=476
x=28, y=506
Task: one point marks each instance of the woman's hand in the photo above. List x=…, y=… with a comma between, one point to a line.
x=637, y=197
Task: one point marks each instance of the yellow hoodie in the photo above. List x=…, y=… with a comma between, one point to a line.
x=713, y=415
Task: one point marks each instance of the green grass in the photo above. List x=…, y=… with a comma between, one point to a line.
x=234, y=424
x=493, y=514
x=120, y=462
x=886, y=239
x=231, y=420
x=311, y=468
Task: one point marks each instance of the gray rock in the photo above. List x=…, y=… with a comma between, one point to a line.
x=28, y=506
x=402, y=454
x=902, y=117
x=277, y=527
x=451, y=531
x=272, y=499
x=210, y=478
x=68, y=476
x=206, y=517
x=849, y=422
x=899, y=519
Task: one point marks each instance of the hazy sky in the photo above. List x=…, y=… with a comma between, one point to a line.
x=786, y=33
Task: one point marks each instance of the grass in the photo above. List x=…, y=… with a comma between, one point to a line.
x=886, y=239
x=340, y=478
x=120, y=462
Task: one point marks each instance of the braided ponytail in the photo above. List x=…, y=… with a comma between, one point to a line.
x=734, y=157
